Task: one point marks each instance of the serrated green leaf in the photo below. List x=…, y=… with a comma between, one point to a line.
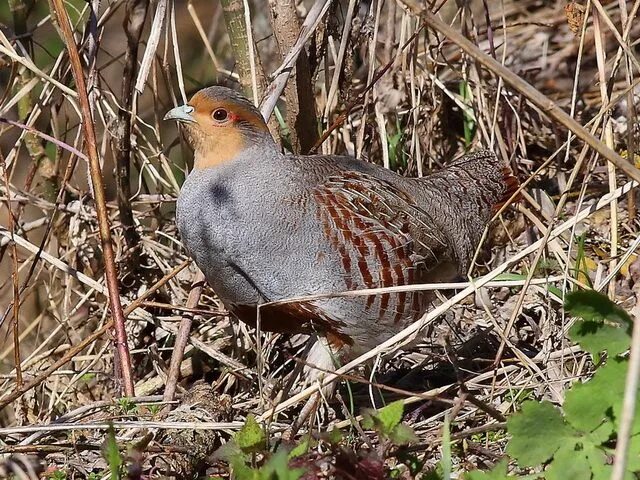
x=588, y=405
x=568, y=462
x=498, y=472
x=538, y=430
x=596, y=337
x=250, y=438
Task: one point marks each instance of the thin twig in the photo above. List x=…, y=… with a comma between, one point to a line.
x=182, y=338
x=135, y=16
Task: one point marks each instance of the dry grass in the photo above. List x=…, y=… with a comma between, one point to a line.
x=491, y=341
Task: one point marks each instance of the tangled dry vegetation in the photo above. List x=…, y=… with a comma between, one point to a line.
x=384, y=81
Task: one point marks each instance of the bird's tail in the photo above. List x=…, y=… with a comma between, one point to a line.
x=464, y=196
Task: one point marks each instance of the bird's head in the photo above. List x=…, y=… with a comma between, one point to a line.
x=219, y=124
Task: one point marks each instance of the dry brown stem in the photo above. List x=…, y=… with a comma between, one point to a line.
x=135, y=16
x=301, y=112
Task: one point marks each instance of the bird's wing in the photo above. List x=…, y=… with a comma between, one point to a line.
x=382, y=237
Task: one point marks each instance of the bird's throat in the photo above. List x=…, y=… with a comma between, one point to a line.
x=215, y=150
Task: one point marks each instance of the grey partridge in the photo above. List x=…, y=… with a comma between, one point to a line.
x=264, y=226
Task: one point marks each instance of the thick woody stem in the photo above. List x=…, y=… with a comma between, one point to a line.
x=301, y=113
x=111, y=272
x=235, y=21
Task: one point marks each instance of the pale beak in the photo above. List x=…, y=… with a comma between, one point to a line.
x=181, y=114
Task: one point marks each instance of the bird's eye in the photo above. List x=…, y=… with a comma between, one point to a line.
x=220, y=115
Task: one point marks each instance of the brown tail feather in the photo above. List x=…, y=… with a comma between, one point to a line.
x=511, y=187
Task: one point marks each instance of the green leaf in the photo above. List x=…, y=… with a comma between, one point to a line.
x=111, y=454
x=385, y=419
x=301, y=448
x=228, y=451
x=601, y=472
x=605, y=325
x=598, y=462
x=250, y=438
x=334, y=436
x=590, y=404
x=241, y=471
x=601, y=434
x=402, y=434
x=537, y=432
x=568, y=462
x=634, y=454
x=498, y=472
x=594, y=306
x=596, y=337
x=278, y=468
x=391, y=415
x=127, y=405
x=509, y=277
x=446, y=449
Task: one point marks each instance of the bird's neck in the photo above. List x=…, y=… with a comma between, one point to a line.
x=222, y=151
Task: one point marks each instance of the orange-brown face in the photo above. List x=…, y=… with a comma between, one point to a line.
x=219, y=124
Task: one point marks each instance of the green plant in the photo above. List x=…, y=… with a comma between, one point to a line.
x=126, y=406
x=388, y=423
x=250, y=440
x=582, y=263
x=57, y=475
x=397, y=156
x=578, y=440
x=154, y=409
x=111, y=454
x=468, y=121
